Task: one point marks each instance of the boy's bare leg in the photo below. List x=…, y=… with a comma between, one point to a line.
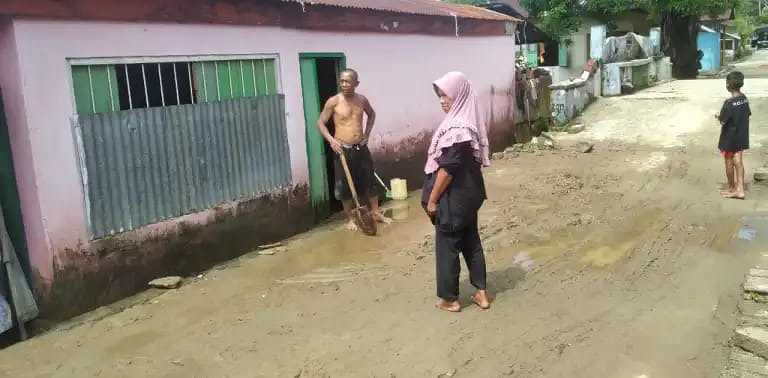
x=377, y=214
x=351, y=226
x=738, y=170
x=729, y=176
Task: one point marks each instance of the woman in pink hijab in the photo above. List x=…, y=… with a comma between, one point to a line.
x=454, y=190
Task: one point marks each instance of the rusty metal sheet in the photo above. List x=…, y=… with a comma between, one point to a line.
x=417, y=7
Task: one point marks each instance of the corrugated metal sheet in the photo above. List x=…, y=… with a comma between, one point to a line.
x=142, y=166
x=420, y=7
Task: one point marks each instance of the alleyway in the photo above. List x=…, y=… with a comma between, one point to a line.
x=624, y=262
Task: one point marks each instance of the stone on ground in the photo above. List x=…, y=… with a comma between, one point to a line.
x=756, y=285
x=761, y=174
x=171, y=282
x=753, y=339
x=586, y=147
x=575, y=129
x=755, y=272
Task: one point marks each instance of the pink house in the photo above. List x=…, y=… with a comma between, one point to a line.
x=158, y=137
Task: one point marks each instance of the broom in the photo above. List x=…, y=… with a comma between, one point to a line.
x=360, y=214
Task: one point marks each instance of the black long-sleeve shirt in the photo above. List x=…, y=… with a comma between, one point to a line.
x=459, y=204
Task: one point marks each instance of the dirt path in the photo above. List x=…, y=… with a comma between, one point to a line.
x=624, y=262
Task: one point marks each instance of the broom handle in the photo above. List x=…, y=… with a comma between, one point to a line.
x=349, y=178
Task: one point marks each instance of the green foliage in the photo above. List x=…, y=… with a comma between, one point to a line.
x=561, y=18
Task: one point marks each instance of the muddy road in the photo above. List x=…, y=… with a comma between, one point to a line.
x=623, y=262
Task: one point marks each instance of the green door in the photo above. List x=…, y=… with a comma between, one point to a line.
x=9, y=196
x=318, y=177
x=319, y=192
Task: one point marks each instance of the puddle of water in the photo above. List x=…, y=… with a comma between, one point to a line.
x=524, y=260
x=608, y=255
x=749, y=234
x=332, y=246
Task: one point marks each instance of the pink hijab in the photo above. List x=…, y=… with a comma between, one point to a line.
x=463, y=123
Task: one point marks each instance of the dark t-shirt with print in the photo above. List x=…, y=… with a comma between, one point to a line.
x=734, y=116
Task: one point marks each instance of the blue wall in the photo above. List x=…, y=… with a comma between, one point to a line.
x=709, y=43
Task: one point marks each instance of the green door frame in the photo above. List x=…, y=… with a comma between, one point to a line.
x=316, y=157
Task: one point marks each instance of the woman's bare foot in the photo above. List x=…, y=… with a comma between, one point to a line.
x=448, y=306
x=735, y=195
x=351, y=226
x=727, y=192
x=481, y=299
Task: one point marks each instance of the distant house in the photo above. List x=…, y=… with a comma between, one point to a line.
x=160, y=137
x=708, y=42
x=565, y=61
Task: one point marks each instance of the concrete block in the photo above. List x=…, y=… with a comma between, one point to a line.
x=756, y=285
x=743, y=364
x=753, y=339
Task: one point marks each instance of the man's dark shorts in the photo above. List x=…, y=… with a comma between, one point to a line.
x=360, y=165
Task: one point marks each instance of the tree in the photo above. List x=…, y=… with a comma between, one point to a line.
x=679, y=19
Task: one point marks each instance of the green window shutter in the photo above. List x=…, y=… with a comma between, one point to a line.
x=95, y=89
x=261, y=78
x=205, y=81
x=82, y=85
x=224, y=80
x=249, y=78
x=270, y=76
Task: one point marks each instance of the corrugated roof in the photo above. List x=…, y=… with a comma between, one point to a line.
x=419, y=7
x=516, y=6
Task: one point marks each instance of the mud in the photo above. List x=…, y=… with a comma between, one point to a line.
x=624, y=262
x=115, y=267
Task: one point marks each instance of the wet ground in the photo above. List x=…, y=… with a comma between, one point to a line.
x=624, y=262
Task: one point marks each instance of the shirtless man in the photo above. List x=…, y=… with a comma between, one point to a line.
x=351, y=139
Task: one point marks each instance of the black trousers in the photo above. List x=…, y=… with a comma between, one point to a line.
x=448, y=246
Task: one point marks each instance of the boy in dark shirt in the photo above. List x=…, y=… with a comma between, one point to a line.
x=734, y=135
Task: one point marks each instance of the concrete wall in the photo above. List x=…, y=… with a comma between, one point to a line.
x=640, y=73
x=396, y=72
x=570, y=98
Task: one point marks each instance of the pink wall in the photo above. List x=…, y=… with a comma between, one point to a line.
x=15, y=106
x=396, y=71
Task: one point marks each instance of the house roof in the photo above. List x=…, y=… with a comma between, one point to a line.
x=515, y=6
x=417, y=7
x=708, y=30
x=731, y=36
